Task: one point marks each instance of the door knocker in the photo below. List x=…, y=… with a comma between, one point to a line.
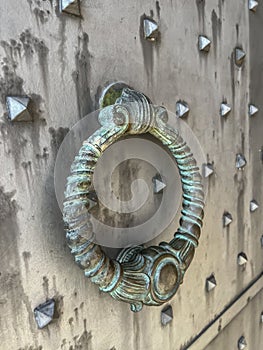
x=152, y=275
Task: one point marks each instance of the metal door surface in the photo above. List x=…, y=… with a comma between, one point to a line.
x=63, y=62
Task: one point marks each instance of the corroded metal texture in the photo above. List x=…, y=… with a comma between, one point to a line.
x=152, y=275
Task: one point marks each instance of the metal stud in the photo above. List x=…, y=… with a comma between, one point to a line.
x=17, y=107
x=241, y=259
x=44, y=313
x=227, y=219
x=162, y=114
x=240, y=161
x=151, y=29
x=242, y=344
x=71, y=7
x=204, y=43
x=253, y=206
x=208, y=169
x=182, y=109
x=225, y=109
x=210, y=283
x=252, y=5
x=158, y=184
x=93, y=199
x=252, y=110
x=239, y=56
x=261, y=317
x=166, y=315
x=261, y=241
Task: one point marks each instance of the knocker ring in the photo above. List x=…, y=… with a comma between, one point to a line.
x=152, y=275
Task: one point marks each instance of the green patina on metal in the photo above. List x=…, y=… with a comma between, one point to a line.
x=152, y=275
x=111, y=96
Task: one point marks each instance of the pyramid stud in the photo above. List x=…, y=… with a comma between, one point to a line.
x=253, y=206
x=158, y=184
x=239, y=56
x=208, y=169
x=227, y=219
x=240, y=161
x=225, y=109
x=252, y=110
x=242, y=344
x=204, y=43
x=17, y=107
x=71, y=7
x=166, y=315
x=151, y=29
x=44, y=313
x=210, y=283
x=182, y=109
x=242, y=259
x=93, y=199
x=252, y=5
x=162, y=114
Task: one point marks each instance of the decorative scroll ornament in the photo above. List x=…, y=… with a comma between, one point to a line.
x=139, y=275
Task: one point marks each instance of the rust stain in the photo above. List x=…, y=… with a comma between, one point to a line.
x=216, y=28
x=147, y=50
x=81, y=76
x=57, y=137
x=200, y=4
x=78, y=342
x=41, y=15
x=45, y=285
x=12, y=289
x=31, y=347
x=32, y=45
x=26, y=257
x=10, y=82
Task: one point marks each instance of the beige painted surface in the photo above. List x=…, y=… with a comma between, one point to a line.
x=62, y=62
x=247, y=324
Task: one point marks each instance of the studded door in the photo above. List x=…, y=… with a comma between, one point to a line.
x=200, y=59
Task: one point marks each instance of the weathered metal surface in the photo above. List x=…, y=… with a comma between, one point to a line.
x=241, y=319
x=62, y=63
